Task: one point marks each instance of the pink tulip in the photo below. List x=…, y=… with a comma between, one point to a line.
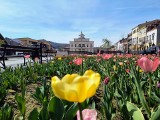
x=78, y=61
x=87, y=114
x=98, y=54
x=148, y=65
x=107, y=56
x=27, y=56
x=129, y=55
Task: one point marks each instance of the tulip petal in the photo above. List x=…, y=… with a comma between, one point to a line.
x=58, y=87
x=96, y=78
x=72, y=96
x=69, y=78
x=155, y=64
x=147, y=65
x=89, y=73
x=81, y=86
x=91, y=90
x=76, y=88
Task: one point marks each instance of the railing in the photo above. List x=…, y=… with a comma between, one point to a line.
x=79, y=52
x=35, y=51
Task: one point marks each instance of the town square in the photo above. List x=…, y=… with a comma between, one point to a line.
x=79, y=60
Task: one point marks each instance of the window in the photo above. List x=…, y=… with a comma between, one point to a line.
x=79, y=45
x=87, y=45
x=83, y=45
x=75, y=45
x=150, y=37
x=153, y=36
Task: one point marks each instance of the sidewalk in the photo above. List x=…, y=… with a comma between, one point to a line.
x=15, y=61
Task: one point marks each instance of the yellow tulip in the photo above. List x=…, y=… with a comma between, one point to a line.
x=114, y=67
x=59, y=58
x=140, y=70
x=76, y=88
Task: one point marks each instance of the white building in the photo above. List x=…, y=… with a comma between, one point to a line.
x=81, y=44
x=134, y=38
x=153, y=35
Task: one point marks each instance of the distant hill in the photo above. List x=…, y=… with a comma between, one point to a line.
x=59, y=45
x=17, y=42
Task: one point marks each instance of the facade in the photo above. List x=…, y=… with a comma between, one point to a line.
x=153, y=35
x=145, y=35
x=119, y=46
x=82, y=44
x=27, y=42
x=141, y=36
x=129, y=40
x=135, y=38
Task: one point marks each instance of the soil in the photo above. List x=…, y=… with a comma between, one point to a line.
x=31, y=103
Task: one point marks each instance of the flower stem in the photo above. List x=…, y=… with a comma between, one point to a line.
x=82, y=68
x=150, y=83
x=80, y=111
x=141, y=95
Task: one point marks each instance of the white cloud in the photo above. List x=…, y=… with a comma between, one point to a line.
x=63, y=20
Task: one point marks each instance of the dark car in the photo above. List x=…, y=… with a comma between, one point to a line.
x=153, y=50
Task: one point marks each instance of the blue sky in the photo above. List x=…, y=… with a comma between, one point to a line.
x=63, y=20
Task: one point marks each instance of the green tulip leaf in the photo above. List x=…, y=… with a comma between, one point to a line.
x=56, y=108
x=117, y=94
x=39, y=94
x=71, y=112
x=6, y=112
x=21, y=104
x=33, y=115
x=44, y=113
x=155, y=97
x=156, y=115
x=134, y=111
x=93, y=105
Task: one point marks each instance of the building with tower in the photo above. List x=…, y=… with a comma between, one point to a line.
x=81, y=44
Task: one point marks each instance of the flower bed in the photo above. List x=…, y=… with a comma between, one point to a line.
x=95, y=87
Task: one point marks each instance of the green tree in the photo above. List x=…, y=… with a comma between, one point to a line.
x=106, y=43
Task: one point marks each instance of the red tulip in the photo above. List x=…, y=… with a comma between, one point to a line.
x=148, y=65
x=78, y=61
x=127, y=70
x=87, y=114
x=106, y=80
x=27, y=56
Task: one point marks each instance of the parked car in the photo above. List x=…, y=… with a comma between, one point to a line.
x=151, y=50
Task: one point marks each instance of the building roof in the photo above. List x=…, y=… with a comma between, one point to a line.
x=2, y=39
x=13, y=42
x=149, y=23
x=82, y=36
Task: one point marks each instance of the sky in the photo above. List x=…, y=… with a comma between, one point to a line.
x=62, y=20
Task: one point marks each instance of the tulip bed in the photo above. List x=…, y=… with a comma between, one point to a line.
x=102, y=87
